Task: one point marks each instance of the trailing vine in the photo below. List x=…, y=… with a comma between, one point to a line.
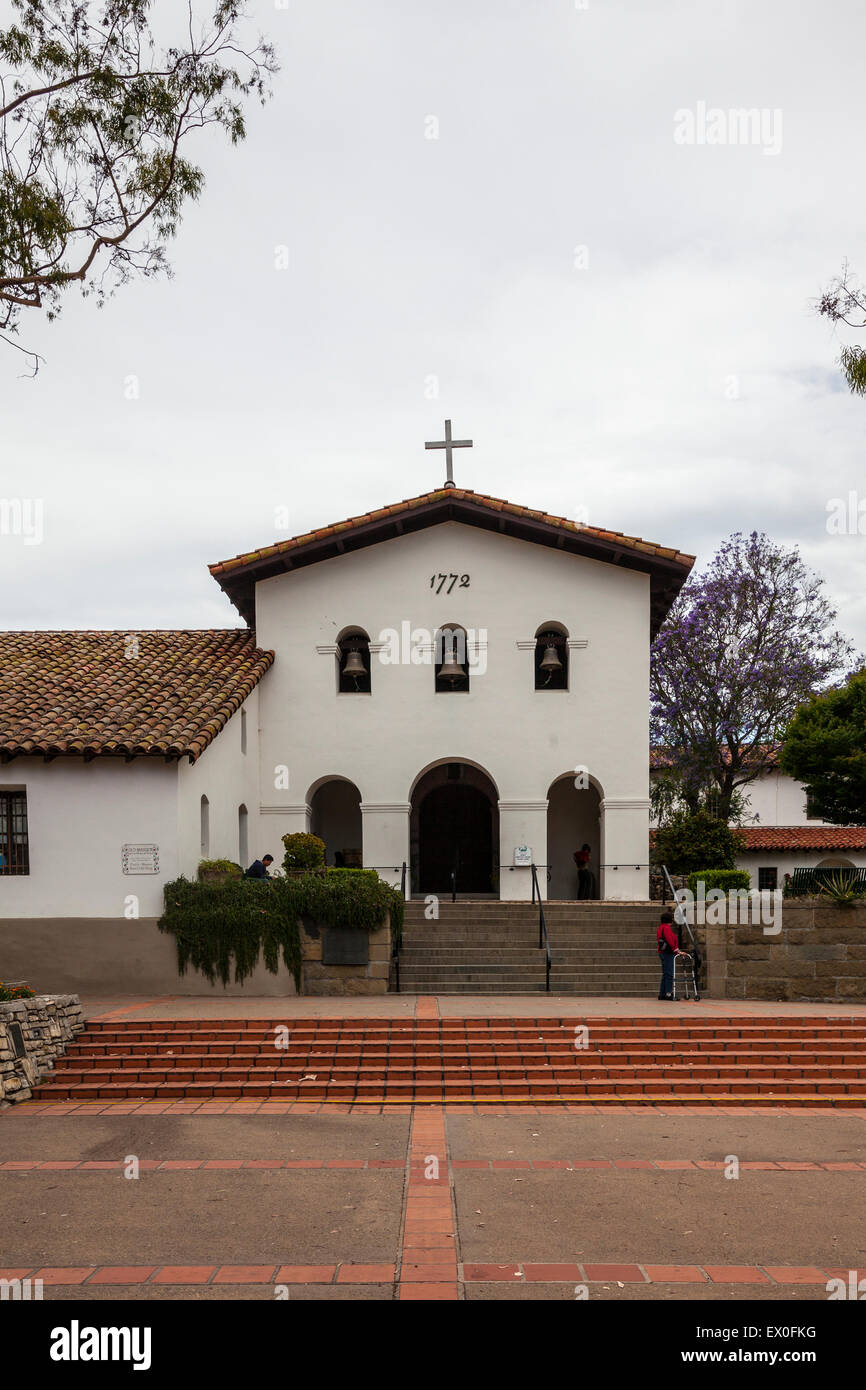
x=237, y=922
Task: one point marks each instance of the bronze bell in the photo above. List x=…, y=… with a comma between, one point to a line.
x=550, y=662
x=354, y=664
x=451, y=670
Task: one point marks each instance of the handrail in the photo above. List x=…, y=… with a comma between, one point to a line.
x=396, y=941
x=454, y=885
x=679, y=912
x=543, y=938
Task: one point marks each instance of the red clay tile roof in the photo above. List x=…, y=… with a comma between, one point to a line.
x=769, y=755
x=452, y=494
x=80, y=694
x=804, y=837
x=669, y=567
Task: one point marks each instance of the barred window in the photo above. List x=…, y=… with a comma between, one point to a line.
x=768, y=878
x=14, y=853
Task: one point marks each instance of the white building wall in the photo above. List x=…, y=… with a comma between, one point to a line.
x=786, y=861
x=79, y=816
x=522, y=738
x=229, y=778
x=778, y=800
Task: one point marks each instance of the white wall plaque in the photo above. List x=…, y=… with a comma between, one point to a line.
x=140, y=859
x=522, y=854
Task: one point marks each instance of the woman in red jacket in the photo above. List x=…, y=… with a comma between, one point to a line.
x=668, y=949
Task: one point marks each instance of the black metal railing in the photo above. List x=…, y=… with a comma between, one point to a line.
x=397, y=941
x=543, y=938
x=680, y=917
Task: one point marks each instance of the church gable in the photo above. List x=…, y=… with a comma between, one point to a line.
x=667, y=568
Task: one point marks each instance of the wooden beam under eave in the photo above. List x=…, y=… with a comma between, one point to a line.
x=49, y=757
x=6, y=757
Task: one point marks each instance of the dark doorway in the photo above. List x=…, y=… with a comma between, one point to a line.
x=455, y=824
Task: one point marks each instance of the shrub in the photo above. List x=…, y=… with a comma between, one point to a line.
x=350, y=898
x=726, y=879
x=218, y=925
x=219, y=866
x=691, y=842
x=10, y=992
x=303, y=852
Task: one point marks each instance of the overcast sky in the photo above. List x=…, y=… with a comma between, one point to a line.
x=622, y=322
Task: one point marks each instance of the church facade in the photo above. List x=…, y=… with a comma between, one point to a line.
x=460, y=686
x=454, y=684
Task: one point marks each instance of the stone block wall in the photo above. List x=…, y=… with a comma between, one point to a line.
x=819, y=954
x=372, y=978
x=48, y=1022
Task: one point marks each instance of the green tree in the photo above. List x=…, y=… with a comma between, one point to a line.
x=689, y=843
x=825, y=749
x=844, y=301
x=95, y=119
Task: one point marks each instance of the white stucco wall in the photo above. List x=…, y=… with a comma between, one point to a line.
x=229, y=778
x=522, y=738
x=786, y=861
x=778, y=800
x=79, y=816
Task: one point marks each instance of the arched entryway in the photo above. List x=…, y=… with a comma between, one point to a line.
x=572, y=822
x=454, y=828
x=335, y=804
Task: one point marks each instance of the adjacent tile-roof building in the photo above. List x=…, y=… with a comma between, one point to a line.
x=667, y=568
x=804, y=837
x=126, y=694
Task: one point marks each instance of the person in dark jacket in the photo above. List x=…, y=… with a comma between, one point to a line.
x=259, y=867
x=582, y=859
x=668, y=948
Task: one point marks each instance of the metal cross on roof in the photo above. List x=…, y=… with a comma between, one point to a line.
x=448, y=444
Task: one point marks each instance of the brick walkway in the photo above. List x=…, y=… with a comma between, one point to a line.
x=431, y=1201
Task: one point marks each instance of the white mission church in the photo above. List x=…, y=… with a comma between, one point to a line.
x=453, y=683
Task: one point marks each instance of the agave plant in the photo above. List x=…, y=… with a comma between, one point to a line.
x=841, y=887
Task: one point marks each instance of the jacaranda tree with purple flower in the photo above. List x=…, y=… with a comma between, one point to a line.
x=746, y=642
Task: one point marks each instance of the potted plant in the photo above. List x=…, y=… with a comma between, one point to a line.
x=218, y=870
x=304, y=854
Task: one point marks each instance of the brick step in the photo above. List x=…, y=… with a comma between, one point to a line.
x=241, y=1026
x=478, y=1057
x=670, y=1031
x=662, y=1060
x=617, y=1093
x=776, y=1076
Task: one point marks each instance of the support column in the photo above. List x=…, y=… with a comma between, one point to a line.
x=625, y=848
x=522, y=823
x=385, y=830
x=275, y=821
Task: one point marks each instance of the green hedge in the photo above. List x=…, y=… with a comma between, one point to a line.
x=240, y=920
x=719, y=878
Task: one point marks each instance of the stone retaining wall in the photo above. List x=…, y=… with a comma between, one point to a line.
x=819, y=954
x=48, y=1022
x=372, y=978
